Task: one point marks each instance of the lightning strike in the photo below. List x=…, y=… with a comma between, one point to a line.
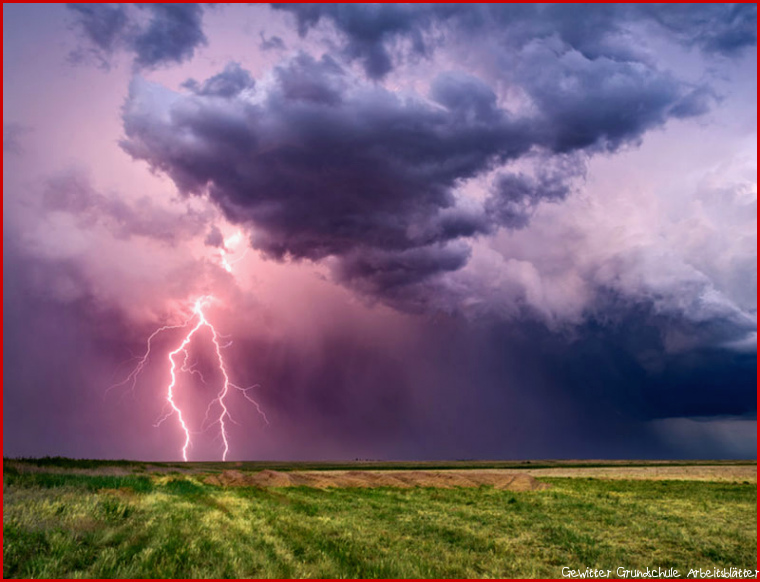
x=131, y=379
x=184, y=365
x=231, y=243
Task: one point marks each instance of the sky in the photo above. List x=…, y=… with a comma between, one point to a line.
x=422, y=231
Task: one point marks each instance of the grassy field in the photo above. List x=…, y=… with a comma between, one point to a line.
x=91, y=519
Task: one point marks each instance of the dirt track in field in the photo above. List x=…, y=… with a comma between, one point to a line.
x=514, y=478
x=509, y=479
x=499, y=479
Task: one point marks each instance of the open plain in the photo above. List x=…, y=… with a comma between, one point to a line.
x=75, y=518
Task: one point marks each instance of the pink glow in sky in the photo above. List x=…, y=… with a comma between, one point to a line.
x=429, y=231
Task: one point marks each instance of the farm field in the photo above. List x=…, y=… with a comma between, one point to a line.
x=64, y=518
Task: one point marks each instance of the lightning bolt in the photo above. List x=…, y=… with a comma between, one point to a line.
x=131, y=379
x=201, y=321
x=228, y=244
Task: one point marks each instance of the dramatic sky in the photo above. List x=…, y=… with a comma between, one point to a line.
x=430, y=231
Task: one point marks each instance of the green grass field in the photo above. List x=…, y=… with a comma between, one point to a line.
x=60, y=523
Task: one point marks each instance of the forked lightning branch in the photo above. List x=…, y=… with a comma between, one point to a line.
x=178, y=362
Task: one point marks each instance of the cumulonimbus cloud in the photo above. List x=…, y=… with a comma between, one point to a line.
x=323, y=164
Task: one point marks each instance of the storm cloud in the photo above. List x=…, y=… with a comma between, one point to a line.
x=374, y=34
x=429, y=231
x=323, y=164
x=156, y=34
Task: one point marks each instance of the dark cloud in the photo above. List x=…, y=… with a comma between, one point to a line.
x=325, y=169
x=271, y=43
x=599, y=102
x=172, y=35
x=466, y=96
x=515, y=196
x=325, y=165
x=104, y=25
x=157, y=34
x=715, y=28
x=581, y=68
x=367, y=28
x=696, y=102
x=372, y=33
x=308, y=80
x=636, y=371
x=390, y=274
x=230, y=82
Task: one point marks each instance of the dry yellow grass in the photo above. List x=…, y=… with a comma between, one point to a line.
x=511, y=479
x=390, y=474
x=507, y=480
x=729, y=473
